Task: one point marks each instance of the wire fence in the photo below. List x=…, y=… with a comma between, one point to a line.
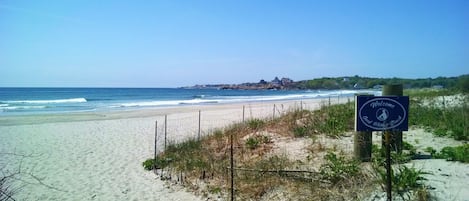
x=175, y=128
x=178, y=127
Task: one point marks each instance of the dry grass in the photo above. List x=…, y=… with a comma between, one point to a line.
x=260, y=174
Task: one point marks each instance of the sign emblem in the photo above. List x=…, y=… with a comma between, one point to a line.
x=382, y=113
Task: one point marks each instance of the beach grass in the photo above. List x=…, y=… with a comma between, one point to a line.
x=443, y=117
x=457, y=153
x=258, y=172
x=407, y=182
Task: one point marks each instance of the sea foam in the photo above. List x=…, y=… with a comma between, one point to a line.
x=166, y=103
x=22, y=107
x=70, y=100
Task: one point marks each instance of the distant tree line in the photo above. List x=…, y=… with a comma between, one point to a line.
x=459, y=83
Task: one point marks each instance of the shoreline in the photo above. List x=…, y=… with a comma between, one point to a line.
x=31, y=119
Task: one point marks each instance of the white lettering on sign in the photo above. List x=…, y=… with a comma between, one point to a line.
x=380, y=116
x=382, y=104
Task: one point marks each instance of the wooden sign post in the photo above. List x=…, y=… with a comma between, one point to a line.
x=383, y=113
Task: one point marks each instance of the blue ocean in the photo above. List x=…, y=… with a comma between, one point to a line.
x=21, y=101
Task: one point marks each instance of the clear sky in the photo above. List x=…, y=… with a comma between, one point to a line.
x=179, y=43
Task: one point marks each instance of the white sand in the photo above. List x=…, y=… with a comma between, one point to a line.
x=447, y=180
x=98, y=156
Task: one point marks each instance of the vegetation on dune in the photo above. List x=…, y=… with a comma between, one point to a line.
x=458, y=153
x=332, y=120
x=338, y=168
x=258, y=172
x=407, y=182
x=443, y=117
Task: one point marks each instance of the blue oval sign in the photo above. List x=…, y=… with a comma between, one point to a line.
x=382, y=113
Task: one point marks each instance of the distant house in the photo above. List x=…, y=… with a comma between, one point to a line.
x=358, y=86
x=276, y=81
x=286, y=81
x=262, y=82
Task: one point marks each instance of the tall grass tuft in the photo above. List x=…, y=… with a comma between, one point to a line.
x=441, y=119
x=338, y=168
x=459, y=153
x=255, y=123
x=331, y=120
x=258, y=173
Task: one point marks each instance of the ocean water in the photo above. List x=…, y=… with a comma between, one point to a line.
x=23, y=101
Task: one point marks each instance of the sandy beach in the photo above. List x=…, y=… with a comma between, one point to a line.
x=98, y=156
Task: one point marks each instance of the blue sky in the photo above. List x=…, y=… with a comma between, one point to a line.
x=180, y=43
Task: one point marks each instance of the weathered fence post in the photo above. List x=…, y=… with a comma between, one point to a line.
x=199, y=127
x=156, y=137
x=243, y=113
x=232, y=166
x=165, y=129
x=273, y=115
x=362, y=140
x=396, y=136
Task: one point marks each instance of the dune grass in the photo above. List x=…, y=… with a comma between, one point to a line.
x=332, y=120
x=259, y=173
x=458, y=153
x=441, y=116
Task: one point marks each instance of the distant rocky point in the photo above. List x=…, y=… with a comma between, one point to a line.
x=347, y=82
x=275, y=84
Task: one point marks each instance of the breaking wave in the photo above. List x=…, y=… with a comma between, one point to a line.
x=70, y=100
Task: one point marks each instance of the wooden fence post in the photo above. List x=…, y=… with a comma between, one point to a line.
x=199, y=127
x=362, y=140
x=396, y=136
x=273, y=114
x=232, y=166
x=165, y=129
x=243, y=113
x=156, y=137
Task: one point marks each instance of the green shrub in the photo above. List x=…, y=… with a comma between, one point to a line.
x=184, y=148
x=338, y=168
x=218, y=133
x=406, y=179
x=332, y=120
x=396, y=158
x=403, y=179
x=300, y=131
x=160, y=162
x=255, y=123
x=459, y=153
x=149, y=164
x=252, y=143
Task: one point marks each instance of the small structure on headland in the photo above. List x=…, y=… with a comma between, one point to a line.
x=276, y=83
